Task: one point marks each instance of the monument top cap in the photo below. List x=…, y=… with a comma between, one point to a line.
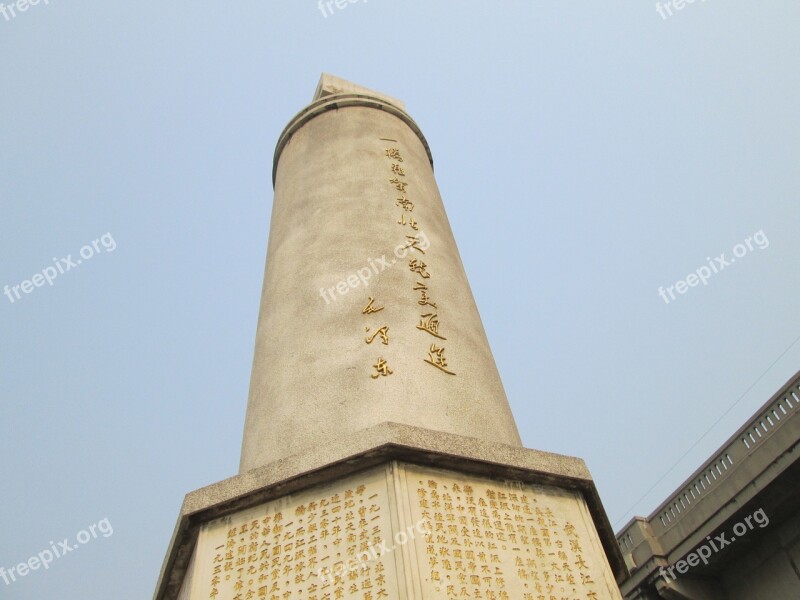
x=330, y=85
x=334, y=93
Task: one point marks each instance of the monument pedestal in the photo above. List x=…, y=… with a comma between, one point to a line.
x=397, y=512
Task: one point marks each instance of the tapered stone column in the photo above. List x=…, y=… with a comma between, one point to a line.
x=353, y=183
x=380, y=458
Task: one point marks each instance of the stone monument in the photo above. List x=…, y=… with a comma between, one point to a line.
x=380, y=457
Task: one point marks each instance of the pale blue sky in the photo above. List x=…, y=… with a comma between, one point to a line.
x=587, y=154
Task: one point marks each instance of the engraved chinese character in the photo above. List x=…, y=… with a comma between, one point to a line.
x=382, y=369
x=411, y=222
x=424, y=298
x=370, y=309
x=394, y=154
x=437, y=359
x=400, y=186
x=418, y=267
x=430, y=323
x=383, y=332
x=404, y=203
x=412, y=242
x=398, y=170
